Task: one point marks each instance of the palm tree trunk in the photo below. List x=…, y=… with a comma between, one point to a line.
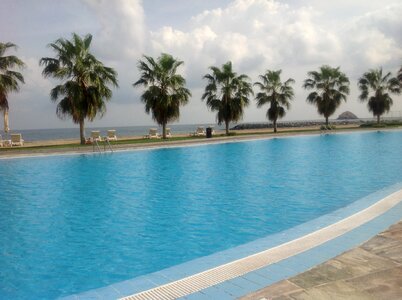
x=82, y=134
x=378, y=119
x=227, y=127
x=164, y=130
x=326, y=121
x=275, y=126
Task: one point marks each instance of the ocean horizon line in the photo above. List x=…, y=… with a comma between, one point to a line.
x=191, y=124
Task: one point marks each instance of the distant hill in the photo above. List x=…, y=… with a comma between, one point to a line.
x=347, y=115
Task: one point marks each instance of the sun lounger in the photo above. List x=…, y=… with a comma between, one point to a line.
x=95, y=136
x=168, y=133
x=199, y=132
x=5, y=143
x=111, y=135
x=16, y=139
x=153, y=134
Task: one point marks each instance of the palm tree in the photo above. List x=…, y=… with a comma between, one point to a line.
x=227, y=93
x=376, y=88
x=84, y=89
x=9, y=79
x=400, y=75
x=165, y=90
x=331, y=87
x=276, y=93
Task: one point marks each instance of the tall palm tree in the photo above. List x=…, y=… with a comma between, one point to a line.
x=84, y=90
x=400, y=75
x=276, y=93
x=165, y=89
x=9, y=78
x=376, y=89
x=227, y=93
x=331, y=87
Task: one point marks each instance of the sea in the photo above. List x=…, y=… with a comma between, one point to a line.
x=32, y=135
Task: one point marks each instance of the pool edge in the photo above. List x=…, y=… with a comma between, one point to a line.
x=197, y=143
x=176, y=273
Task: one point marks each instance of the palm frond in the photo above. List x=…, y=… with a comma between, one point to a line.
x=274, y=92
x=84, y=90
x=10, y=79
x=375, y=88
x=227, y=93
x=330, y=87
x=165, y=90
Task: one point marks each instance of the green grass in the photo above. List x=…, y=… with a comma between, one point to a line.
x=144, y=141
x=78, y=146
x=382, y=124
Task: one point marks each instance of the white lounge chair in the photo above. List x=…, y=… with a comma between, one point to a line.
x=16, y=139
x=95, y=136
x=168, y=133
x=5, y=143
x=111, y=135
x=153, y=134
x=200, y=131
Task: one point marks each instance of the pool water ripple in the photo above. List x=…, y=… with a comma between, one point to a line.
x=74, y=223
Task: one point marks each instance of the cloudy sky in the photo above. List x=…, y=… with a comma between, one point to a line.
x=293, y=35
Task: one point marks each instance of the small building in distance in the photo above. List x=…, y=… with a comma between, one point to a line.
x=347, y=115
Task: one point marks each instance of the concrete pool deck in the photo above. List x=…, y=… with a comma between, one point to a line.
x=370, y=271
x=248, y=268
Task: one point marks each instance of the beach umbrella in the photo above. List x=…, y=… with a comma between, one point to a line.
x=6, y=127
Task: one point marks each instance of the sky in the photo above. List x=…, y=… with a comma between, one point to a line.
x=295, y=36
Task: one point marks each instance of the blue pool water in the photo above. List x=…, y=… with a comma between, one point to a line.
x=73, y=223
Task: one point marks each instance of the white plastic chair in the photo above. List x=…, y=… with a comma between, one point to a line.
x=95, y=136
x=200, y=131
x=16, y=139
x=153, y=134
x=168, y=133
x=111, y=135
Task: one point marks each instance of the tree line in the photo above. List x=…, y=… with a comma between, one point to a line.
x=85, y=86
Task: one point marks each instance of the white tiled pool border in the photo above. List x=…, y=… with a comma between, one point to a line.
x=186, y=280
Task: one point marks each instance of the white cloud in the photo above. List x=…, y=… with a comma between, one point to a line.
x=260, y=34
x=294, y=35
x=375, y=38
x=122, y=28
x=119, y=42
x=249, y=28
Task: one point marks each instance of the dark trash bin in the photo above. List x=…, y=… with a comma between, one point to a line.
x=209, y=132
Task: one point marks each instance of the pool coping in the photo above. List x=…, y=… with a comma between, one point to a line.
x=143, y=286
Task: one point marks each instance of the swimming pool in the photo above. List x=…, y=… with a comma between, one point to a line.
x=73, y=223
